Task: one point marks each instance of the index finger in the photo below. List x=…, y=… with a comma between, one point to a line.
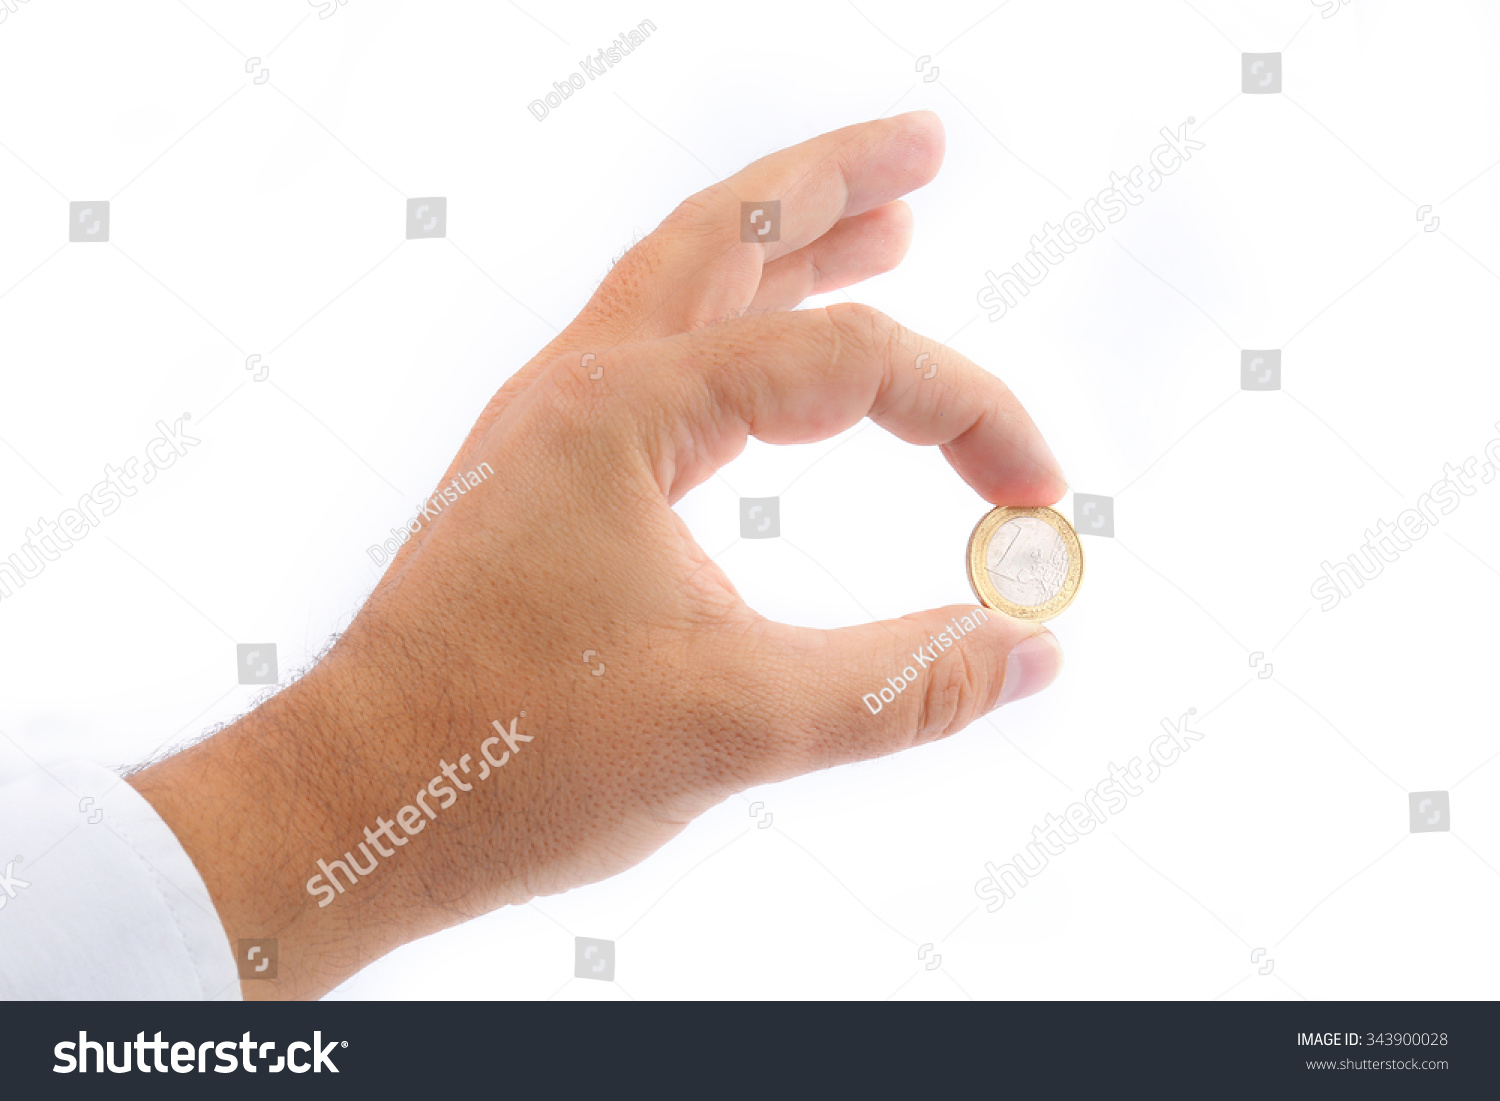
x=807, y=375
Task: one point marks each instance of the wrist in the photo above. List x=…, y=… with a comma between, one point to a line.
x=260, y=803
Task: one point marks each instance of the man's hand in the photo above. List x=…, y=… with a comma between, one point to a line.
x=409, y=738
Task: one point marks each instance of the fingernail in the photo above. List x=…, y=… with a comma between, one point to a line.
x=1032, y=665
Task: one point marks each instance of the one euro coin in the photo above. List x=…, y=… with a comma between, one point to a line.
x=1026, y=563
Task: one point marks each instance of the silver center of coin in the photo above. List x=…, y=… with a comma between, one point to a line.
x=1027, y=561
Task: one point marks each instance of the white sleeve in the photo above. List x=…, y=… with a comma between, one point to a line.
x=98, y=900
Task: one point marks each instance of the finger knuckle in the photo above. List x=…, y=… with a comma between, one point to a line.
x=582, y=412
x=697, y=215
x=868, y=332
x=578, y=392
x=859, y=323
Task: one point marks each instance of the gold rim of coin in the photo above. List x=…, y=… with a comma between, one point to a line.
x=979, y=577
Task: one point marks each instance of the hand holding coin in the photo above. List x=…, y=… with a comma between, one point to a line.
x=573, y=547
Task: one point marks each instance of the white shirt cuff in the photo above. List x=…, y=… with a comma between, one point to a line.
x=98, y=900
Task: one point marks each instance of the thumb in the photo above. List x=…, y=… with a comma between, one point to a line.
x=879, y=688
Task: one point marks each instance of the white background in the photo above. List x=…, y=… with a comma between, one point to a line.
x=269, y=219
